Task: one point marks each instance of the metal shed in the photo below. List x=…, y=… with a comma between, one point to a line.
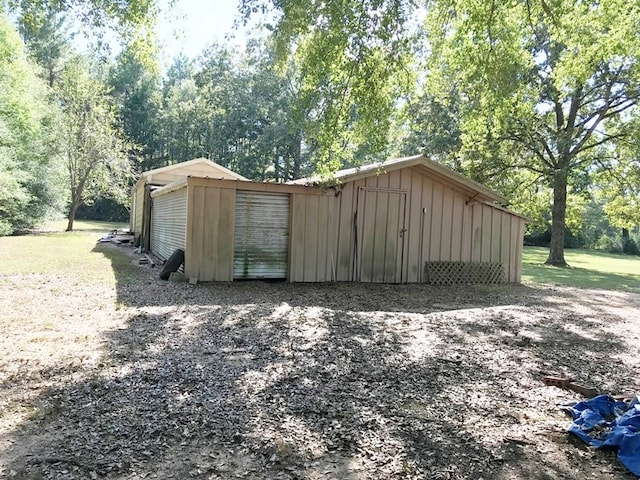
x=401, y=221
x=141, y=214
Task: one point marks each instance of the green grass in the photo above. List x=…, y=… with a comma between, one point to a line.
x=75, y=255
x=83, y=226
x=587, y=269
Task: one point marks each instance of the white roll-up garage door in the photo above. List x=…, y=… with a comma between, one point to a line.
x=261, y=244
x=168, y=222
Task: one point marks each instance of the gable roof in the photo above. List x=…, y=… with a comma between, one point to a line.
x=420, y=162
x=205, y=162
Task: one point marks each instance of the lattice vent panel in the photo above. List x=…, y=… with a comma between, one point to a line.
x=463, y=273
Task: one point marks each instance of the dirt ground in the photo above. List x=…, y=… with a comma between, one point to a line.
x=285, y=381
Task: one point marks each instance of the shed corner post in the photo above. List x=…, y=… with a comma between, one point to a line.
x=190, y=270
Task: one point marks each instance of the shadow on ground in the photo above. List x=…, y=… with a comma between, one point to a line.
x=273, y=380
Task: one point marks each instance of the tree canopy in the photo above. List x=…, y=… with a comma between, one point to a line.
x=535, y=98
x=29, y=173
x=543, y=86
x=95, y=155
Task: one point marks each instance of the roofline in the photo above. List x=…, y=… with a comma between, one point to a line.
x=352, y=174
x=169, y=187
x=194, y=161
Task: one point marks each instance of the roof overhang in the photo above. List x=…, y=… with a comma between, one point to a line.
x=147, y=177
x=171, y=187
x=421, y=163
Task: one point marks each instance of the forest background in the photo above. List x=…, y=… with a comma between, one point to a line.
x=534, y=98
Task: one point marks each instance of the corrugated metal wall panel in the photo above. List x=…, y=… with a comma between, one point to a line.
x=381, y=235
x=168, y=222
x=442, y=225
x=313, y=238
x=209, y=252
x=261, y=243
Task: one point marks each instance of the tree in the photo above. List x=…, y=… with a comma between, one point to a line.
x=136, y=88
x=354, y=62
x=553, y=82
x=48, y=39
x=94, y=152
x=29, y=167
x=237, y=108
x=543, y=84
x=429, y=125
x=256, y=125
x=124, y=16
x=618, y=178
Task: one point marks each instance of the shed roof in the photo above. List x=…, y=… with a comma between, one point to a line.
x=429, y=167
x=224, y=172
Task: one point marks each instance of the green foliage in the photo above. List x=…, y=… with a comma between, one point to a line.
x=618, y=178
x=431, y=126
x=123, y=16
x=240, y=109
x=136, y=88
x=29, y=172
x=104, y=209
x=547, y=87
x=354, y=61
x=511, y=86
x=48, y=39
x=94, y=152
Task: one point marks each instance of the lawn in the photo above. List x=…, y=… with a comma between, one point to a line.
x=587, y=269
x=54, y=250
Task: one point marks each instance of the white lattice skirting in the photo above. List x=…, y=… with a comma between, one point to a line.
x=463, y=273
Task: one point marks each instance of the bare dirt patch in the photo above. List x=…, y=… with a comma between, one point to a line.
x=292, y=381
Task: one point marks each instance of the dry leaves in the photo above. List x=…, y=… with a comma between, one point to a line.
x=272, y=380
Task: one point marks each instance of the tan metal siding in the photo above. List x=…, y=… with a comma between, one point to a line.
x=381, y=233
x=137, y=209
x=517, y=242
x=457, y=226
x=346, y=231
x=261, y=241
x=442, y=224
x=209, y=253
x=487, y=213
x=436, y=223
x=505, y=244
x=168, y=222
x=322, y=244
x=132, y=214
x=447, y=224
x=314, y=237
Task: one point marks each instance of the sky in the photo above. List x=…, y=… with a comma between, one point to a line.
x=193, y=24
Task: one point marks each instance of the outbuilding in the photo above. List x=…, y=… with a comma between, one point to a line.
x=401, y=221
x=140, y=218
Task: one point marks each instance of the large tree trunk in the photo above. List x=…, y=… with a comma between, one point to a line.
x=558, y=215
x=72, y=217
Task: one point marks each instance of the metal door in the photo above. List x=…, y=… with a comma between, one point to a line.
x=261, y=238
x=168, y=223
x=380, y=224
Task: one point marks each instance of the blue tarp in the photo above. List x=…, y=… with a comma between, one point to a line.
x=606, y=422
